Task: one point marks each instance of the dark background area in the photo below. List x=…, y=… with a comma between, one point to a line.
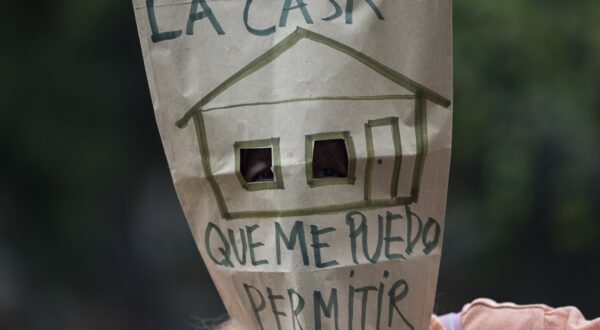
x=91, y=232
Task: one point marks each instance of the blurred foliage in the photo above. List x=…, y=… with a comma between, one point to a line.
x=524, y=200
x=91, y=233
x=92, y=236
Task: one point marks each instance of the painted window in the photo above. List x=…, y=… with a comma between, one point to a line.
x=330, y=159
x=258, y=164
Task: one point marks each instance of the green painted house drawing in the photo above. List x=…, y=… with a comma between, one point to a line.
x=381, y=126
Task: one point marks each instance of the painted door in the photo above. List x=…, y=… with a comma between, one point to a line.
x=384, y=150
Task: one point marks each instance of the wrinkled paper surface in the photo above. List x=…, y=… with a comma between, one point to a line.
x=300, y=252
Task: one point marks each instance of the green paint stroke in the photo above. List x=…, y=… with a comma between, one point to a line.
x=338, y=11
x=158, y=36
x=421, y=135
x=205, y=13
x=329, y=209
x=393, y=122
x=205, y=155
x=257, y=32
x=350, y=9
x=287, y=7
x=313, y=99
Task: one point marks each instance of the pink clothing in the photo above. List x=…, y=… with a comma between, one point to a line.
x=489, y=315
x=486, y=314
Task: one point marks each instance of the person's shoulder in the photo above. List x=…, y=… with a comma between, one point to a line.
x=488, y=314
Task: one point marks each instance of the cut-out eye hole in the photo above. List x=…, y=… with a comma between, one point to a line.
x=256, y=165
x=330, y=159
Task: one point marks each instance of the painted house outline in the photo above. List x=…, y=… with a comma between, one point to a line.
x=420, y=95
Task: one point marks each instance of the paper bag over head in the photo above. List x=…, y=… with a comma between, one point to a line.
x=311, y=157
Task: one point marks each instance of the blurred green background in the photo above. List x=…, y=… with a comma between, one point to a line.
x=91, y=232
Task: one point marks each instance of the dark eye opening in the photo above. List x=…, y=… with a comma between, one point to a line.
x=256, y=165
x=330, y=159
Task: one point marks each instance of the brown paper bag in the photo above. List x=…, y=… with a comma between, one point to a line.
x=309, y=143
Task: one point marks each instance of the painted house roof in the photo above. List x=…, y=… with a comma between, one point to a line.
x=289, y=42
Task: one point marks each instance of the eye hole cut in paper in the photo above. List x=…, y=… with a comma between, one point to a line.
x=329, y=159
x=381, y=155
